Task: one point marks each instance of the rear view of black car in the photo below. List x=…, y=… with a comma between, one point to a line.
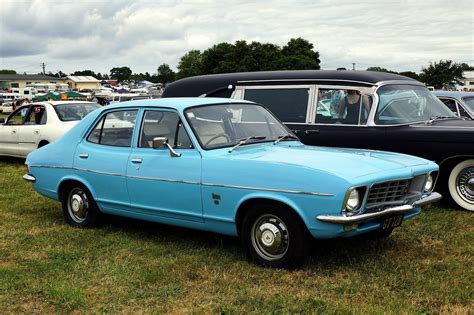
x=357, y=109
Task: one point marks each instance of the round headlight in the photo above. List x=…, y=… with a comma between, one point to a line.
x=353, y=202
x=428, y=183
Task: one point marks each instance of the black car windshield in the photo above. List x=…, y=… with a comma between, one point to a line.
x=403, y=104
x=469, y=101
x=74, y=111
x=226, y=125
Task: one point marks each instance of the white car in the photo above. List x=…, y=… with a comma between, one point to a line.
x=6, y=108
x=34, y=125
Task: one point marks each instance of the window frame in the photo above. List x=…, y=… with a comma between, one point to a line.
x=101, y=118
x=240, y=91
x=180, y=120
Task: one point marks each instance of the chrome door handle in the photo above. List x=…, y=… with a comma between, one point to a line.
x=83, y=155
x=136, y=161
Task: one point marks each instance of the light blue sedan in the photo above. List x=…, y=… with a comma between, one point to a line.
x=230, y=167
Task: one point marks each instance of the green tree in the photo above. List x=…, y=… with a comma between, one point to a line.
x=85, y=72
x=442, y=73
x=190, y=64
x=165, y=74
x=380, y=69
x=466, y=67
x=6, y=71
x=121, y=73
x=298, y=54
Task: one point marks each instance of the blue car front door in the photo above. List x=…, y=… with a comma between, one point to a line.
x=160, y=184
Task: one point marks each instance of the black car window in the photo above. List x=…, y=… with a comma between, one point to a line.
x=163, y=124
x=289, y=105
x=36, y=116
x=342, y=106
x=451, y=104
x=114, y=129
x=17, y=118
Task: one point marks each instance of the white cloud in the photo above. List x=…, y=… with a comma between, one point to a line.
x=98, y=35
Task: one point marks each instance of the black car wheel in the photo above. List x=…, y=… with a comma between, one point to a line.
x=273, y=236
x=79, y=208
x=461, y=184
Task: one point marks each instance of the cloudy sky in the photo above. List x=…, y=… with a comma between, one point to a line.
x=74, y=35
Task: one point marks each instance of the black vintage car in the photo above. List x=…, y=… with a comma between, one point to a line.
x=358, y=109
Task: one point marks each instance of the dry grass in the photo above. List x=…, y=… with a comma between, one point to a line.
x=132, y=266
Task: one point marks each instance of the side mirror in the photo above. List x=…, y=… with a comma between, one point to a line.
x=158, y=142
x=2, y=121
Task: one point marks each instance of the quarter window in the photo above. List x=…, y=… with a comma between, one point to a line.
x=114, y=129
x=163, y=124
x=451, y=104
x=289, y=105
x=342, y=106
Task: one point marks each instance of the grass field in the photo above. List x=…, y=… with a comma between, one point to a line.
x=426, y=266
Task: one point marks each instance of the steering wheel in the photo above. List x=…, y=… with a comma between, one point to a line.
x=220, y=135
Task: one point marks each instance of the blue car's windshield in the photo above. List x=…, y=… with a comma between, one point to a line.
x=225, y=125
x=403, y=104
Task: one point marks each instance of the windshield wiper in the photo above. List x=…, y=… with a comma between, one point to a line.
x=434, y=118
x=287, y=136
x=245, y=140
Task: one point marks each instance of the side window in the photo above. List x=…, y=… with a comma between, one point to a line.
x=163, y=124
x=114, y=129
x=17, y=117
x=36, y=116
x=289, y=105
x=342, y=106
x=451, y=104
x=463, y=112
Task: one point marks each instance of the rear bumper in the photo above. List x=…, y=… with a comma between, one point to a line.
x=339, y=219
x=29, y=178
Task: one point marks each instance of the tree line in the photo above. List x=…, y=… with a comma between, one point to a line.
x=241, y=56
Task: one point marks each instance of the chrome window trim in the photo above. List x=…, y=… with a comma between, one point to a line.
x=307, y=80
x=192, y=182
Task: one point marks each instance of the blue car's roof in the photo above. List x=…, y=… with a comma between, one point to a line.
x=178, y=103
x=453, y=94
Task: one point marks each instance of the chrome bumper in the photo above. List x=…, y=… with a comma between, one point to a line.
x=29, y=178
x=337, y=219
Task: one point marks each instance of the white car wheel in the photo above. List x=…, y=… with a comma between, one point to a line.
x=461, y=184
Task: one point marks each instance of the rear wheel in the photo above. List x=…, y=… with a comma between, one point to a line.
x=273, y=236
x=461, y=184
x=79, y=208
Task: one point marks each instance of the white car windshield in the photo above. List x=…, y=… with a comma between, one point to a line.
x=226, y=125
x=403, y=104
x=74, y=111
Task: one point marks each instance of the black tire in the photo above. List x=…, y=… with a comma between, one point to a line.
x=79, y=208
x=282, y=241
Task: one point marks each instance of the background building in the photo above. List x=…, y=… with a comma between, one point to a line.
x=15, y=81
x=79, y=83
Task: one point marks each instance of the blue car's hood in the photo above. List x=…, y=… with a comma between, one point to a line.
x=351, y=163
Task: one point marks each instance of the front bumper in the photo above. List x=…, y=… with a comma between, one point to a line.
x=338, y=219
x=29, y=178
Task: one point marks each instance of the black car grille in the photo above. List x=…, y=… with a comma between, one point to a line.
x=392, y=192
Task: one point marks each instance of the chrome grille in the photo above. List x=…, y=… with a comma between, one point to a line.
x=392, y=192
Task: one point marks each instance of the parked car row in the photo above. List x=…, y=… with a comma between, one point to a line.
x=359, y=109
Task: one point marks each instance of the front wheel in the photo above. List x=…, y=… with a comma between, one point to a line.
x=79, y=208
x=273, y=236
x=461, y=184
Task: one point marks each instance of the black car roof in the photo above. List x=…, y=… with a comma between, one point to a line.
x=198, y=85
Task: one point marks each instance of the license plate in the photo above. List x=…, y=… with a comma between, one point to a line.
x=391, y=222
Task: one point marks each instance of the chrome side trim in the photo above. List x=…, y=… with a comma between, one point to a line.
x=270, y=189
x=29, y=178
x=194, y=183
x=433, y=197
x=308, y=80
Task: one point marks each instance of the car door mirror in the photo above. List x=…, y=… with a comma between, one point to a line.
x=158, y=142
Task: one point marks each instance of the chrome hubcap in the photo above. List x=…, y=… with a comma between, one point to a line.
x=270, y=237
x=78, y=205
x=465, y=184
